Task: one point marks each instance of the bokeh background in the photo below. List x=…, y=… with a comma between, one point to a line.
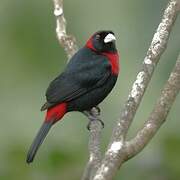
x=30, y=57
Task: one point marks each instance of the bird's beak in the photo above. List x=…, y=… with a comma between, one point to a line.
x=109, y=38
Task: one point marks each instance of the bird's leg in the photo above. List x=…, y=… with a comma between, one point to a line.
x=95, y=111
x=98, y=109
x=93, y=115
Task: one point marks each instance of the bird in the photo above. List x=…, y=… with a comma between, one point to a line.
x=88, y=78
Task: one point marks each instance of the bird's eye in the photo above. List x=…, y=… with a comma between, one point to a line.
x=97, y=37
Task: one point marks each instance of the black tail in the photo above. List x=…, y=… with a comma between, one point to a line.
x=38, y=141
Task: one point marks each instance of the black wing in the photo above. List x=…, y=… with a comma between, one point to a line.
x=81, y=75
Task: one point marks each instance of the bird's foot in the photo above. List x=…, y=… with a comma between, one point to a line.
x=98, y=109
x=95, y=119
x=93, y=116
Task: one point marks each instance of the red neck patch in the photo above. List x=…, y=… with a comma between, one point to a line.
x=112, y=57
x=114, y=60
x=90, y=45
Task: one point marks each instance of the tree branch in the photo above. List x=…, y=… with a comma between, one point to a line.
x=69, y=44
x=158, y=115
x=114, y=156
x=94, y=146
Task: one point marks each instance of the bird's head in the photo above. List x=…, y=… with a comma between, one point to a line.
x=102, y=41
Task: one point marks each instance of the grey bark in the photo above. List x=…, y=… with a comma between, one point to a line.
x=116, y=152
x=120, y=149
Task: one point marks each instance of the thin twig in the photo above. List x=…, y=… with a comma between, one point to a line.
x=67, y=41
x=69, y=44
x=158, y=115
x=115, y=154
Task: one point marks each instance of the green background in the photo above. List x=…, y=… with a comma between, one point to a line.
x=30, y=57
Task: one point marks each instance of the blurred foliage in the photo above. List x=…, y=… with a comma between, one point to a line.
x=31, y=57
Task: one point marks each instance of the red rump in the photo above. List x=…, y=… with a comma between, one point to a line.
x=56, y=113
x=114, y=60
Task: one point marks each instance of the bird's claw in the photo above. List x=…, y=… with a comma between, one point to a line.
x=94, y=119
x=102, y=123
x=98, y=109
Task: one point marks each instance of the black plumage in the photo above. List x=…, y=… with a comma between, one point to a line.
x=85, y=82
x=88, y=78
